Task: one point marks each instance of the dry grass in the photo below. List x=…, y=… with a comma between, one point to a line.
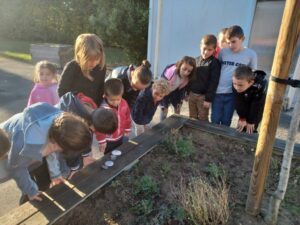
x=203, y=203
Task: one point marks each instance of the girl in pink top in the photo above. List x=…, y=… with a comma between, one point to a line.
x=178, y=76
x=45, y=88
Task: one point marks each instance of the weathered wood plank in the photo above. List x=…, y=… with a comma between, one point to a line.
x=278, y=147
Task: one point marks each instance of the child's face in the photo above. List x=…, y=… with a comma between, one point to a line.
x=156, y=95
x=46, y=77
x=222, y=41
x=114, y=100
x=235, y=44
x=207, y=50
x=185, y=70
x=242, y=84
x=92, y=62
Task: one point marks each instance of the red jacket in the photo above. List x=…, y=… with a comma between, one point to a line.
x=124, y=122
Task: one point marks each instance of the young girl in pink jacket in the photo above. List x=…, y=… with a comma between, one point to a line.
x=45, y=88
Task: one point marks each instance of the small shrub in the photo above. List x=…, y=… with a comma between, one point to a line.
x=169, y=212
x=166, y=168
x=175, y=144
x=144, y=207
x=203, y=203
x=214, y=171
x=146, y=186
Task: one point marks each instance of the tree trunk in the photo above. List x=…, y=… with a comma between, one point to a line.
x=285, y=48
x=278, y=196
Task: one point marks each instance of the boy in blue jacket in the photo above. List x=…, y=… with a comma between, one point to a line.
x=37, y=132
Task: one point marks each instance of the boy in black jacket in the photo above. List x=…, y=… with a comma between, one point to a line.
x=249, y=90
x=203, y=89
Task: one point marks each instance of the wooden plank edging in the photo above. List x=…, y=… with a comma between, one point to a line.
x=60, y=199
x=278, y=147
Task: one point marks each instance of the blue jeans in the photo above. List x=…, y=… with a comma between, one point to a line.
x=222, y=109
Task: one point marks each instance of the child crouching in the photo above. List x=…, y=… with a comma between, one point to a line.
x=249, y=90
x=147, y=102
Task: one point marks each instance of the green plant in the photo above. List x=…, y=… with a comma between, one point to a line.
x=176, y=144
x=115, y=184
x=214, y=171
x=143, y=207
x=166, y=168
x=275, y=164
x=167, y=212
x=146, y=186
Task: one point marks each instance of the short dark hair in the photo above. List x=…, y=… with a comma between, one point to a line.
x=104, y=120
x=4, y=143
x=234, y=31
x=244, y=73
x=209, y=39
x=71, y=133
x=113, y=87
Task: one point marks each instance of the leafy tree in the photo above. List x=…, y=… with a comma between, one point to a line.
x=120, y=23
x=123, y=23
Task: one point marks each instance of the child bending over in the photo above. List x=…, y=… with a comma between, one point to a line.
x=37, y=132
x=249, y=90
x=134, y=80
x=146, y=104
x=178, y=76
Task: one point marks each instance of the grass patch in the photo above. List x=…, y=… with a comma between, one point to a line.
x=17, y=55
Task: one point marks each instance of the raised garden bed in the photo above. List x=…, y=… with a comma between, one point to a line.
x=151, y=191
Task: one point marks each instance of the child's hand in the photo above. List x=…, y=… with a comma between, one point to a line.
x=126, y=134
x=36, y=197
x=102, y=147
x=250, y=128
x=241, y=125
x=206, y=104
x=56, y=181
x=88, y=160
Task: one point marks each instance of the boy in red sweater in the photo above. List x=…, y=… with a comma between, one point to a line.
x=112, y=99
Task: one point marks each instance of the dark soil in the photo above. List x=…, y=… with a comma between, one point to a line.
x=122, y=203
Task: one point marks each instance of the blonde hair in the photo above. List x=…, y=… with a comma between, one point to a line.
x=161, y=86
x=89, y=46
x=44, y=65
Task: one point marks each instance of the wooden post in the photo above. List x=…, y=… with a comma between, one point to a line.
x=288, y=36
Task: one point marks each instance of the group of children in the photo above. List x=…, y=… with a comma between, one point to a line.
x=55, y=130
